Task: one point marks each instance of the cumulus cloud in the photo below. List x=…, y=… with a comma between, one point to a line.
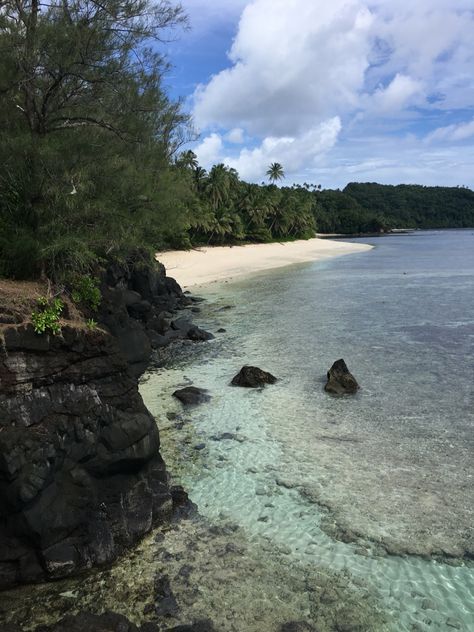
x=298, y=67
x=293, y=152
x=458, y=132
x=294, y=63
x=236, y=136
x=209, y=150
x=403, y=91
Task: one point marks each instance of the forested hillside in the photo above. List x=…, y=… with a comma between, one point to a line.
x=415, y=206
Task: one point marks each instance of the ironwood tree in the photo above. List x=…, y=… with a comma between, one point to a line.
x=87, y=132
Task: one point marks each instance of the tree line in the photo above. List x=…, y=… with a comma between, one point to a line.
x=92, y=166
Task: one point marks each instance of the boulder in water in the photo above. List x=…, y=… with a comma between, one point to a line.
x=340, y=379
x=253, y=377
x=192, y=395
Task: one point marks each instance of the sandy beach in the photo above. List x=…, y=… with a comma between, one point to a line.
x=215, y=263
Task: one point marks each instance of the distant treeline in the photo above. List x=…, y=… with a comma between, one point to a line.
x=371, y=207
x=238, y=211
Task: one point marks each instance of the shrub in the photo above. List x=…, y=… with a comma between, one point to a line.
x=91, y=324
x=86, y=291
x=47, y=317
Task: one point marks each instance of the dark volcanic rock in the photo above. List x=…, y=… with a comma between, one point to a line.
x=297, y=626
x=87, y=622
x=192, y=395
x=340, y=380
x=253, y=377
x=228, y=436
x=199, y=335
x=188, y=330
x=204, y=625
x=136, y=303
x=165, y=601
x=81, y=476
x=182, y=506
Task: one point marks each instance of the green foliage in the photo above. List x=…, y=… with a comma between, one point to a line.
x=372, y=208
x=91, y=324
x=88, y=134
x=86, y=291
x=47, y=317
x=415, y=206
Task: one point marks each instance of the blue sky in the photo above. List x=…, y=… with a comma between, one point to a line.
x=334, y=90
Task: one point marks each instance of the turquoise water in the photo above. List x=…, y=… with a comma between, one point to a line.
x=379, y=485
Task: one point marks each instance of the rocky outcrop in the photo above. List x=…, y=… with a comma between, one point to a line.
x=139, y=307
x=81, y=476
x=253, y=377
x=340, y=379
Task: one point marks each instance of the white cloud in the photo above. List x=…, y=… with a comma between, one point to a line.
x=294, y=64
x=293, y=152
x=236, y=136
x=403, y=91
x=209, y=150
x=374, y=66
x=458, y=132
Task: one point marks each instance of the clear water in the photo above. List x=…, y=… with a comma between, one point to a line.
x=380, y=484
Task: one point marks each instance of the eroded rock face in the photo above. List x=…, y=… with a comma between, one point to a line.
x=138, y=307
x=340, y=379
x=253, y=377
x=81, y=476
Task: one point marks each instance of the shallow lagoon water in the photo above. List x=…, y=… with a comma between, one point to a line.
x=338, y=483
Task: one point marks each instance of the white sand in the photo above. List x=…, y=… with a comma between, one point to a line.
x=215, y=263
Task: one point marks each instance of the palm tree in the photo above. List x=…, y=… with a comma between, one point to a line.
x=188, y=159
x=275, y=172
x=218, y=185
x=199, y=178
x=222, y=185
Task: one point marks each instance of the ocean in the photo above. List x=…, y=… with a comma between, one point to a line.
x=378, y=485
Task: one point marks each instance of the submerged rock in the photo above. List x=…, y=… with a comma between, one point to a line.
x=228, y=436
x=297, y=626
x=340, y=379
x=192, y=395
x=204, y=625
x=196, y=334
x=190, y=331
x=253, y=377
x=165, y=601
x=107, y=622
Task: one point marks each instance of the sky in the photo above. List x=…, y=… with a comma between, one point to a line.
x=336, y=91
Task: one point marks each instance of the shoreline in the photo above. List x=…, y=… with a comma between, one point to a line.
x=209, y=264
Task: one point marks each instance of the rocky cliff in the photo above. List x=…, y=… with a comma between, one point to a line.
x=81, y=476
x=80, y=471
